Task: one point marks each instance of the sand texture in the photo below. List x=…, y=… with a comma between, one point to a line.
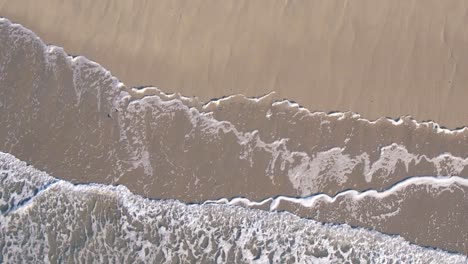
x=377, y=58
x=72, y=118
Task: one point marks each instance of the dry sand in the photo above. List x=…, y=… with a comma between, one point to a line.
x=377, y=58
x=71, y=118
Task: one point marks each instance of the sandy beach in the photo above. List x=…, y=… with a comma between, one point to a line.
x=140, y=118
x=69, y=116
x=390, y=58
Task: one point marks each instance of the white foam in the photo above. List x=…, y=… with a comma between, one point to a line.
x=214, y=103
x=31, y=182
x=307, y=173
x=436, y=182
x=110, y=223
x=395, y=122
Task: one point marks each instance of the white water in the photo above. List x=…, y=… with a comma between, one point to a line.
x=105, y=223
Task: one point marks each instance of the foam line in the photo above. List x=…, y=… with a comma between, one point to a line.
x=152, y=90
x=310, y=201
x=147, y=212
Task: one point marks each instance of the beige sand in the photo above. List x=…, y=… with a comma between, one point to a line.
x=378, y=58
x=428, y=215
x=70, y=117
x=427, y=211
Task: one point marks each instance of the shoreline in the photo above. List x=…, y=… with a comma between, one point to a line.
x=363, y=64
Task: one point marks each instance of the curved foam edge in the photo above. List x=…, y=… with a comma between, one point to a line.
x=210, y=105
x=146, y=93
x=80, y=59
x=136, y=203
x=310, y=201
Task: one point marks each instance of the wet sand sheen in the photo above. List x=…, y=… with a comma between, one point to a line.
x=109, y=224
x=71, y=117
x=428, y=211
x=389, y=58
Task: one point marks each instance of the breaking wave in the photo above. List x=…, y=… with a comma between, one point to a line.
x=62, y=222
x=70, y=117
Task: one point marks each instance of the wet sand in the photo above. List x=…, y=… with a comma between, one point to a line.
x=61, y=222
x=70, y=117
x=427, y=211
x=390, y=58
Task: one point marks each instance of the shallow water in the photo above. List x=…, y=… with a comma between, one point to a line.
x=70, y=117
x=97, y=223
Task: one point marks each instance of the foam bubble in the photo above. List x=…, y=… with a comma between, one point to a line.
x=73, y=223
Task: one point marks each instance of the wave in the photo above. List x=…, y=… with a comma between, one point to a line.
x=67, y=222
x=70, y=117
x=427, y=210
x=70, y=109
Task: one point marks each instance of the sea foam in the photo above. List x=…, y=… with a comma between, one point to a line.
x=79, y=223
